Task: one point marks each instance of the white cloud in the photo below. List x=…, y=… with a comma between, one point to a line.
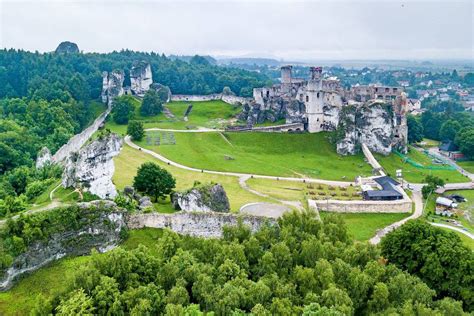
x=283, y=29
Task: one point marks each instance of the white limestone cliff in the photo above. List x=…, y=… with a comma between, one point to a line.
x=112, y=85
x=92, y=167
x=140, y=78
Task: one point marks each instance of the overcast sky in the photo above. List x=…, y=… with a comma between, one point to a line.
x=291, y=30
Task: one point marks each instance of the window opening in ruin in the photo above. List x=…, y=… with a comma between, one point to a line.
x=307, y=98
x=317, y=95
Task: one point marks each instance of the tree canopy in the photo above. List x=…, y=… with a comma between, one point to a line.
x=300, y=266
x=153, y=180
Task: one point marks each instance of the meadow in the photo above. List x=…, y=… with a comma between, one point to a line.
x=416, y=175
x=363, y=226
x=129, y=159
x=205, y=114
x=277, y=154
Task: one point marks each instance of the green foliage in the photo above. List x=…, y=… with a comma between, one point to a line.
x=415, y=129
x=136, y=130
x=465, y=141
x=432, y=183
x=153, y=180
x=300, y=266
x=449, y=129
x=152, y=103
x=123, y=109
x=438, y=257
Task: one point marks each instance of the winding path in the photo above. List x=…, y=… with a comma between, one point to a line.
x=462, y=231
x=417, y=213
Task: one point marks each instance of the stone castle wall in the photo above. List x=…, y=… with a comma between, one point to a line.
x=338, y=206
x=208, y=225
x=231, y=99
x=78, y=140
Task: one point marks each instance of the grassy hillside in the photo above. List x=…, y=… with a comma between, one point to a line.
x=278, y=154
x=363, y=226
x=412, y=174
x=129, y=159
x=208, y=114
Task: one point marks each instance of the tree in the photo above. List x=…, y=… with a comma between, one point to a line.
x=123, y=109
x=449, y=129
x=432, y=183
x=136, y=130
x=153, y=180
x=415, y=129
x=152, y=104
x=465, y=141
x=428, y=252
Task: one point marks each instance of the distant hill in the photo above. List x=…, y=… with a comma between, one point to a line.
x=248, y=61
x=186, y=58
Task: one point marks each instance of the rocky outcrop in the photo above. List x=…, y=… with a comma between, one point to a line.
x=163, y=91
x=112, y=85
x=67, y=48
x=140, y=77
x=206, y=225
x=274, y=109
x=369, y=123
x=92, y=167
x=202, y=198
x=95, y=225
x=44, y=158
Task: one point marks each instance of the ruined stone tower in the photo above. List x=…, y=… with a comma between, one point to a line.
x=314, y=101
x=286, y=79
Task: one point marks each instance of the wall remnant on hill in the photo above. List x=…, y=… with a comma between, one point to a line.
x=140, y=78
x=112, y=85
x=207, y=225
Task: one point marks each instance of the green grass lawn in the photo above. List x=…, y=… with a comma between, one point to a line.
x=279, y=154
x=363, y=226
x=412, y=174
x=209, y=114
x=467, y=165
x=129, y=159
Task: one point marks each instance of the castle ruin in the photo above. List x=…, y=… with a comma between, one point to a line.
x=374, y=115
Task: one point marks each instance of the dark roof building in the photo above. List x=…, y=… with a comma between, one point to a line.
x=389, y=191
x=448, y=146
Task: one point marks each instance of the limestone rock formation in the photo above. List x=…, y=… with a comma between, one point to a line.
x=98, y=226
x=369, y=123
x=276, y=109
x=112, y=85
x=163, y=91
x=202, y=198
x=140, y=77
x=92, y=167
x=44, y=158
x=67, y=48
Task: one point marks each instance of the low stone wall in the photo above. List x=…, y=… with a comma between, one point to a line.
x=293, y=127
x=338, y=206
x=78, y=140
x=208, y=225
x=195, y=98
x=231, y=99
x=371, y=159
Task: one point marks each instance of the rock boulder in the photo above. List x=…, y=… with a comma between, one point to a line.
x=44, y=158
x=67, y=48
x=202, y=198
x=140, y=77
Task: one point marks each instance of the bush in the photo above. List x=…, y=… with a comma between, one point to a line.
x=135, y=130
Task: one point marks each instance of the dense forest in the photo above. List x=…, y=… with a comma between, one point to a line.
x=47, y=98
x=300, y=266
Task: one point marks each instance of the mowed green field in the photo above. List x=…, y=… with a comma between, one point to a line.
x=363, y=226
x=129, y=159
x=416, y=175
x=467, y=165
x=205, y=114
x=278, y=154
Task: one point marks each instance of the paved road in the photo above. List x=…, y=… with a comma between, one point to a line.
x=462, y=231
x=417, y=213
x=129, y=142
x=435, y=152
